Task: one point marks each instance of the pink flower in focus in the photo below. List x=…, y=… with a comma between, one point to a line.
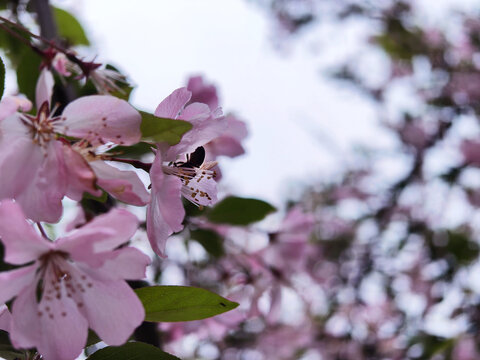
x=39, y=167
x=171, y=179
x=71, y=284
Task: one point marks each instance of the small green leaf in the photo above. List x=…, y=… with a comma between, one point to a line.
x=124, y=88
x=181, y=303
x=7, y=351
x=2, y=78
x=239, y=211
x=10, y=353
x=28, y=71
x=131, y=351
x=132, y=152
x=158, y=129
x=210, y=240
x=102, y=198
x=69, y=27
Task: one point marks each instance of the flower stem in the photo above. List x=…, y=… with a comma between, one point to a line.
x=42, y=230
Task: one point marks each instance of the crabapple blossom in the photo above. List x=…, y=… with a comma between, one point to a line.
x=165, y=212
x=39, y=166
x=75, y=282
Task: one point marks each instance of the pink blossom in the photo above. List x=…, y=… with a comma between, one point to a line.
x=465, y=349
x=38, y=168
x=471, y=152
x=290, y=243
x=61, y=64
x=202, y=92
x=463, y=87
x=170, y=180
x=230, y=142
x=71, y=284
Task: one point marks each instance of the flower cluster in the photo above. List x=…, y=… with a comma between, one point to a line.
x=59, y=288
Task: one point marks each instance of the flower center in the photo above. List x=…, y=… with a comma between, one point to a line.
x=198, y=183
x=40, y=126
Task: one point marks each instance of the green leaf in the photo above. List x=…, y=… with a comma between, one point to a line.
x=102, y=198
x=210, y=240
x=2, y=78
x=131, y=351
x=239, y=211
x=181, y=303
x=69, y=28
x=158, y=129
x=124, y=88
x=462, y=247
x=12, y=46
x=132, y=152
x=10, y=353
x=7, y=351
x=28, y=71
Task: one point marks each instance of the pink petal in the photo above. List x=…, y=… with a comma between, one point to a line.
x=59, y=63
x=20, y=159
x=123, y=185
x=224, y=145
x=100, y=119
x=127, y=263
x=10, y=104
x=111, y=307
x=44, y=88
x=202, y=189
x=202, y=93
x=196, y=113
x=22, y=243
x=5, y=318
x=80, y=177
x=41, y=199
x=78, y=221
x=59, y=333
x=25, y=332
x=206, y=127
x=230, y=142
x=171, y=106
x=165, y=212
x=103, y=233
x=14, y=281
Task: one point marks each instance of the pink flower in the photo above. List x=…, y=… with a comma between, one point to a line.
x=202, y=92
x=172, y=179
x=471, y=152
x=290, y=244
x=229, y=143
x=71, y=284
x=38, y=167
